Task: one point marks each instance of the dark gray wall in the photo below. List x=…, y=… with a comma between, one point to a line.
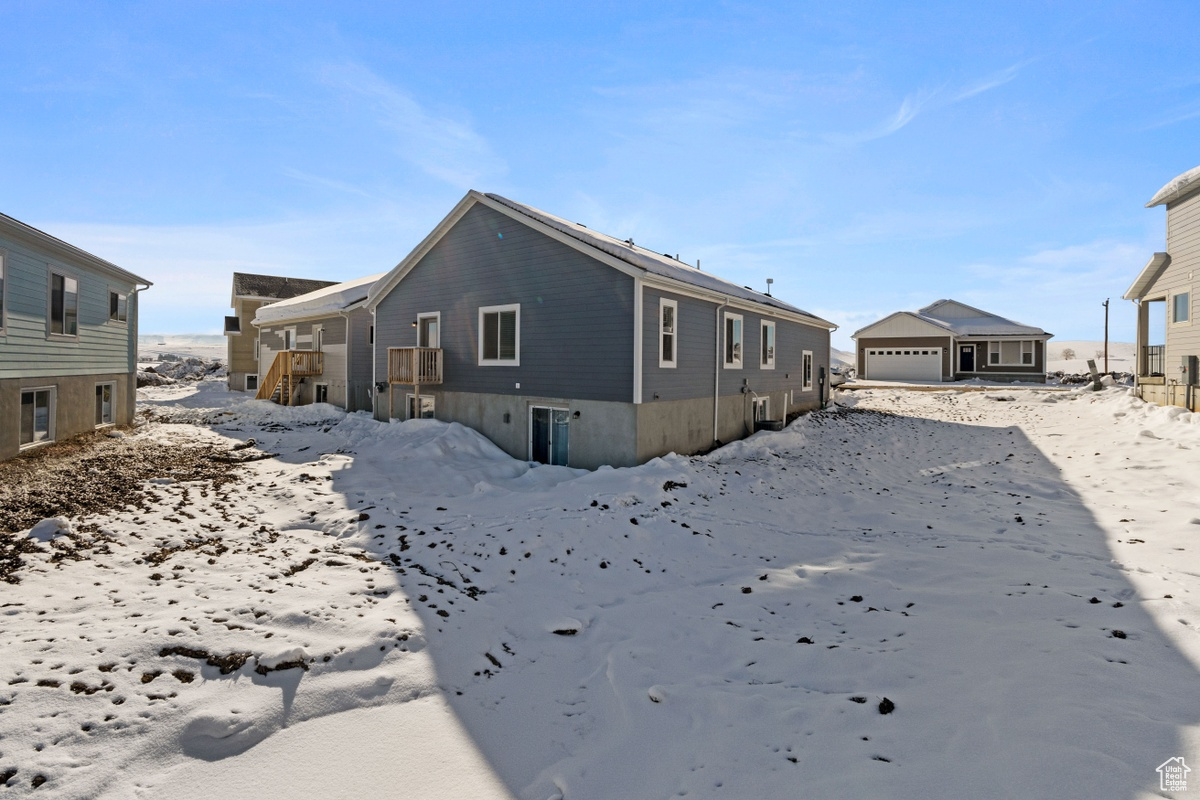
x=698, y=325
x=576, y=313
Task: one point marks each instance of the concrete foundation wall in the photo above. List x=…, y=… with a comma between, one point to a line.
x=74, y=405
x=603, y=433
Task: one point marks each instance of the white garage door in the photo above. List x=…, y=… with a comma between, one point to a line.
x=904, y=364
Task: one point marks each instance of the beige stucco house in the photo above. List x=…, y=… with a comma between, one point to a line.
x=1168, y=338
x=250, y=292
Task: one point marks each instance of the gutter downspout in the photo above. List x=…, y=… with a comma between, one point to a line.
x=719, y=331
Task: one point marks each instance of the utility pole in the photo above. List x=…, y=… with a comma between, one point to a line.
x=1106, y=335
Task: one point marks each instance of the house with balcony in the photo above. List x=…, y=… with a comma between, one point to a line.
x=1168, y=338
x=567, y=346
x=316, y=347
x=250, y=292
x=68, y=340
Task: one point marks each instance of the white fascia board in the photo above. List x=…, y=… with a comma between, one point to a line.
x=1146, y=277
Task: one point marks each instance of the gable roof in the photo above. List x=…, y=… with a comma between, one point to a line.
x=622, y=255
x=16, y=227
x=1147, y=277
x=961, y=319
x=246, y=284
x=324, y=302
x=1177, y=187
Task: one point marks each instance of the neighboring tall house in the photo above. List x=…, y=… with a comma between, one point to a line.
x=316, y=348
x=68, y=339
x=1165, y=293
x=250, y=292
x=566, y=346
x=950, y=341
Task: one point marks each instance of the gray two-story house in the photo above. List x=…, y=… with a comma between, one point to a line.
x=68, y=339
x=1168, y=335
x=567, y=346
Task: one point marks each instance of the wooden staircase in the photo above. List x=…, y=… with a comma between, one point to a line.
x=286, y=372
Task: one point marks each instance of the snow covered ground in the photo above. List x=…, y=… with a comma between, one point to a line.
x=922, y=595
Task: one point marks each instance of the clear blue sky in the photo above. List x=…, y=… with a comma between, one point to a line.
x=869, y=157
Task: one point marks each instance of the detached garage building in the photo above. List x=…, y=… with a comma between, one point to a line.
x=950, y=341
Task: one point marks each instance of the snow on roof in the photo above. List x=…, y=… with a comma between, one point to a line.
x=651, y=261
x=323, y=302
x=1177, y=187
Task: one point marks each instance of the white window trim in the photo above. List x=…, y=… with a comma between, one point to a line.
x=741, y=343
x=251, y=376
x=806, y=381
x=499, y=362
x=4, y=281
x=994, y=347
x=53, y=421
x=315, y=387
x=769, y=362
x=289, y=339
x=529, y=428
x=664, y=304
x=257, y=346
x=113, y=406
x=765, y=404
x=409, y=398
x=437, y=317
x=117, y=320
x=50, y=304
x=318, y=338
x=1171, y=309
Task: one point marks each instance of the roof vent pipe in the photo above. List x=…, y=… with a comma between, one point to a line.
x=769, y=282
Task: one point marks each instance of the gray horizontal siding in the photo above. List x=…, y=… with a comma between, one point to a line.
x=576, y=337
x=26, y=350
x=1183, y=244
x=696, y=351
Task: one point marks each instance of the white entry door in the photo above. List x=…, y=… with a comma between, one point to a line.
x=904, y=363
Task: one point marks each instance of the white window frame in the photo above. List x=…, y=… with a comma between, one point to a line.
x=426, y=400
x=250, y=376
x=663, y=333
x=66, y=276
x=112, y=404
x=51, y=422
x=767, y=359
x=733, y=354
x=289, y=339
x=257, y=346
x=996, y=353
x=316, y=390
x=763, y=403
x=515, y=361
x=529, y=429
x=3, y=291
x=1187, y=308
x=436, y=316
x=807, y=368
x=121, y=315
x=318, y=338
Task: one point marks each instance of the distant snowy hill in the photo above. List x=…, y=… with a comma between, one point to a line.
x=1121, y=356
x=201, y=345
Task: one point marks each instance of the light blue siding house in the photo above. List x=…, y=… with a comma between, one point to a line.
x=68, y=339
x=566, y=346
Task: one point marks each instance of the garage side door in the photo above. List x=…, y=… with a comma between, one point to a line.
x=904, y=364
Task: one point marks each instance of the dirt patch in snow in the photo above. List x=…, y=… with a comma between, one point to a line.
x=94, y=475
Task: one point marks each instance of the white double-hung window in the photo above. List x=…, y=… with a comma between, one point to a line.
x=500, y=335
x=668, y=318
x=806, y=370
x=767, y=356
x=733, y=341
x=1181, y=308
x=1011, y=353
x=64, y=305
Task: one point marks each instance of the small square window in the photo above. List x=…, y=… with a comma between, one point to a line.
x=1181, y=308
